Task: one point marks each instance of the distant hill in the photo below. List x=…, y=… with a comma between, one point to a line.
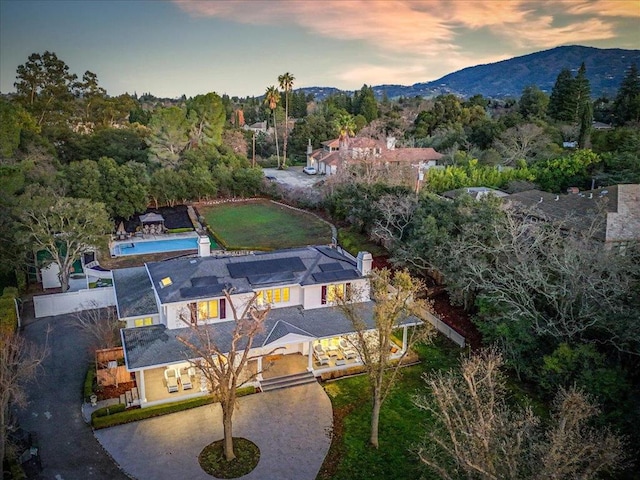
x=605, y=70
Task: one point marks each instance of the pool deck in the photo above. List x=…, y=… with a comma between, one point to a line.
x=145, y=237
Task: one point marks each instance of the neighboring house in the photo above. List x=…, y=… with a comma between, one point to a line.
x=619, y=206
x=335, y=154
x=302, y=333
x=258, y=127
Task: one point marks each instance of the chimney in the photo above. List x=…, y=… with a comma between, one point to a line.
x=309, y=148
x=365, y=260
x=204, y=246
x=391, y=143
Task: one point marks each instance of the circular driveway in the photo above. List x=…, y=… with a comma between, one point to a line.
x=292, y=428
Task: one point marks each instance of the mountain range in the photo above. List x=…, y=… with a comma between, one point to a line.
x=605, y=69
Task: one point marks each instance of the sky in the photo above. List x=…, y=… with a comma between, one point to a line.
x=239, y=47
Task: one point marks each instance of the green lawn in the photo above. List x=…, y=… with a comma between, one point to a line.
x=264, y=225
x=402, y=425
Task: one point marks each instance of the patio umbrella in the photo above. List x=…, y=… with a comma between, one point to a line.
x=121, y=230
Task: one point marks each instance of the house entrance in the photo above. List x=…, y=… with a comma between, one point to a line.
x=282, y=365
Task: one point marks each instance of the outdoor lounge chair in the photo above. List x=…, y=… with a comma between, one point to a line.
x=320, y=355
x=171, y=379
x=185, y=379
x=347, y=350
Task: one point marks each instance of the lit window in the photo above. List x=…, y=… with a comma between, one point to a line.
x=208, y=309
x=276, y=295
x=139, y=322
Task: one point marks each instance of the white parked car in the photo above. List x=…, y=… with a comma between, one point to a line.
x=310, y=170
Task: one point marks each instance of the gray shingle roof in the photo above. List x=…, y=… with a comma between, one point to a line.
x=576, y=211
x=156, y=345
x=283, y=267
x=134, y=294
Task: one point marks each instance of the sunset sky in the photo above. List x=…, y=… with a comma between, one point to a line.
x=240, y=47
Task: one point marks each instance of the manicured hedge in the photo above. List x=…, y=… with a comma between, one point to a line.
x=89, y=380
x=109, y=410
x=136, y=414
x=179, y=230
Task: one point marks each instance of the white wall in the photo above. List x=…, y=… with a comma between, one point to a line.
x=50, y=277
x=313, y=293
x=175, y=309
x=61, y=303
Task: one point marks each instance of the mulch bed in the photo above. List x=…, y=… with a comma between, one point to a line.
x=174, y=217
x=457, y=318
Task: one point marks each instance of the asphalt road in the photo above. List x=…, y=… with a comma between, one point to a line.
x=68, y=448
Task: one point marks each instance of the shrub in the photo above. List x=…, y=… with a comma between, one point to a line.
x=8, y=316
x=180, y=230
x=89, y=380
x=136, y=414
x=10, y=292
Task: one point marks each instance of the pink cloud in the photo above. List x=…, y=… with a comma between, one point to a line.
x=605, y=8
x=425, y=27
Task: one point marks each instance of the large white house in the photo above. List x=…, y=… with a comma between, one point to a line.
x=305, y=334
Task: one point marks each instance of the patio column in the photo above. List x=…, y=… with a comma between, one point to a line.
x=310, y=357
x=404, y=339
x=141, y=390
x=259, y=367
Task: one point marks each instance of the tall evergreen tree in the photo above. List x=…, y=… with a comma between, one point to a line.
x=626, y=107
x=584, y=108
x=562, y=106
x=365, y=103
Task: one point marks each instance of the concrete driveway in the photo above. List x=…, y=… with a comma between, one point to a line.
x=292, y=177
x=68, y=449
x=290, y=426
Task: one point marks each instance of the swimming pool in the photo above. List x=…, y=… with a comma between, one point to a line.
x=155, y=246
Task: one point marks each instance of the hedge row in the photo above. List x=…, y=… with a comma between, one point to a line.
x=8, y=316
x=105, y=420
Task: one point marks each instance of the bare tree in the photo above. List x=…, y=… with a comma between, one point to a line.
x=520, y=142
x=480, y=436
x=395, y=296
x=554, y=276
x=19, y=363
x=100, y=325
x=224, y=366
x=397, y=212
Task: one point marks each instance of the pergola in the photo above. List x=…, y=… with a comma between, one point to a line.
x=152, y=222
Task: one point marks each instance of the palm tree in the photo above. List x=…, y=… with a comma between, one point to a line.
x=286, y=84
x=346, y=126
x=271, y=98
